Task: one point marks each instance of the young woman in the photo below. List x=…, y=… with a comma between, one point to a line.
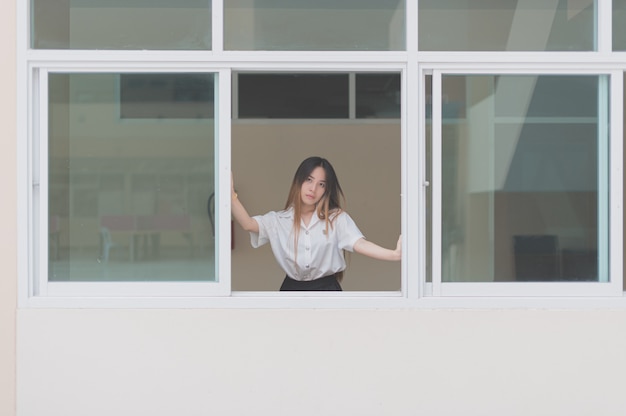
x=309, y=236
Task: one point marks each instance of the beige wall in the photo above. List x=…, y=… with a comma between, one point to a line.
x=8, y=231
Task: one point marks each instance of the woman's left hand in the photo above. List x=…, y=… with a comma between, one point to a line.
x=369, y=249
x=398, y=249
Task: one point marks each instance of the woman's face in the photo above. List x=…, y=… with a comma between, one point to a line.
x=313, y=187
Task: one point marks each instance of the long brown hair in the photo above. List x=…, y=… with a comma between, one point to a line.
x=328, y=206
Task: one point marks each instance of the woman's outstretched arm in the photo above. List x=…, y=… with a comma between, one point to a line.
x=239, y=211
x=369, y=249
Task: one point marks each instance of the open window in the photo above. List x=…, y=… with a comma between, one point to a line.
x=353, y=120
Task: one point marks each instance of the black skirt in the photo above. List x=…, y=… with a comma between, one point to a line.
x=323, y=283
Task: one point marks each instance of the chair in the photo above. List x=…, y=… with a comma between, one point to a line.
x=106, y=243
x=125, y=225
x=53, y=232
x=211, y=211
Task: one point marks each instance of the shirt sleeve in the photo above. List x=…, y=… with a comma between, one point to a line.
x=262, y=237
x=347, y=232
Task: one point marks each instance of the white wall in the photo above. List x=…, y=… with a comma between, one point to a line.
x=321, y=362
x=8, y=231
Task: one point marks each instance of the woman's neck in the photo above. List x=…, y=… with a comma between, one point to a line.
x=306, y=215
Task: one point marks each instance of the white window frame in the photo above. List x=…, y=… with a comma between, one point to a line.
x=611, y=178
x=39, y=286
x=37, y=291
x=413, y=64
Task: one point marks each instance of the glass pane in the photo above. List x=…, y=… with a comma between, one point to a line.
x=377, y=95
x=619, y=28
x=174, y=96
x=130, y=198
x=506, y=25
x=523, y=194
x=428, y=91
x=314, y=25
x=293, y=95
x=121, y=24
x=307, y=96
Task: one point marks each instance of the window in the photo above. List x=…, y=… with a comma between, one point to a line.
x=378, y=95
x=119, y=24
x=506, y=25
x=521, y=183
x=293, y=96
x=327, y=25
x=488, y=133
x=130, y=162
x=166, y=96
x=619, y=31
x=352, y=119
x=318, y=96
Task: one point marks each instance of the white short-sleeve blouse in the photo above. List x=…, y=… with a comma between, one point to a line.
x=319, y=253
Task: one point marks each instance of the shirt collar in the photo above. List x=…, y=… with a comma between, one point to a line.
x=289, y=213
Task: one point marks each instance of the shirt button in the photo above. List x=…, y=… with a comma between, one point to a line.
x=307, y=266
x=306, y=232
x=307, y=248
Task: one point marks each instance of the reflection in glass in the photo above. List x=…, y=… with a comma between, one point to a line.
x=293, y=96
x=428, y=91
x=121, y=24
x=173, y=96
x=318, y=96
x=129, y=199
x=522, y=197
x=378, y=95
x=314, y=25
x=619, y=28
x=506, y=25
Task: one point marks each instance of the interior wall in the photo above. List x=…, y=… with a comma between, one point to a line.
x=366, y=158
x=8, y=208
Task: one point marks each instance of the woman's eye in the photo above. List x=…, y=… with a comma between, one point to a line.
x=323, y=185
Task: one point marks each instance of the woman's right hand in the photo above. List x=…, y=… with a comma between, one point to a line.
x=233, y=194
x=239, y=211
